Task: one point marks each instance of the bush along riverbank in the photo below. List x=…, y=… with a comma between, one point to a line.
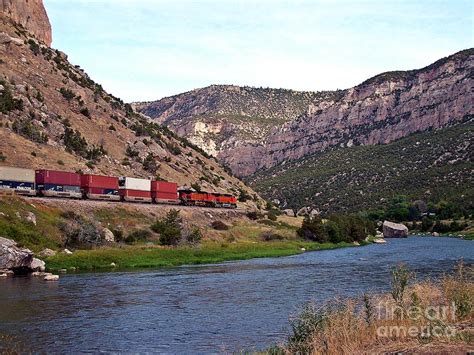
x=421, y=317
x=76, y=235
x=179, y=244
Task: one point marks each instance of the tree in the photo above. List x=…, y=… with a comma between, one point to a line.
x=169, y=228
x=149, y=163
x=313, y=229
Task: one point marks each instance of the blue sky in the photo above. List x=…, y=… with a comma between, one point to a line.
x=149, y=49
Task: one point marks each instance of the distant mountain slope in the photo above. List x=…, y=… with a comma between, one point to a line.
x=53, y=115
x=433, y=165
x=216, y=116
x=251, y=129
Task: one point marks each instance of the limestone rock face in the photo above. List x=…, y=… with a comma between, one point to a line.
x=394, y=230
x=32, y=15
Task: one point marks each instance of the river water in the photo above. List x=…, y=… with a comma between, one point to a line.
x=202, y=309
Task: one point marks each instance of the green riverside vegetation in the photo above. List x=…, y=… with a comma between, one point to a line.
x=208, y=253
x=144, y=240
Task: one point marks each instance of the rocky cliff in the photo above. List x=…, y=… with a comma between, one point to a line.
x=30, y=14
x=264, y=127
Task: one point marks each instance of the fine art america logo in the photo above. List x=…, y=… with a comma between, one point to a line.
x=416, y=321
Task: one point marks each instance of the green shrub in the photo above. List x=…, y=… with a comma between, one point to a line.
x=194, y=236
x=85, y=111
x=79, y=231
x=254, y=215
x=313, y=229
x=169, y=228
x=28, y=130
x=67, y=93
x=268, y=236
x=139, y=235
x=243, y=195
x=272, y=216
x=173, y=148
x=196, y=186
x=149, y=164
x=7, y=102
x=132, y=153
x=34, y=47
x=3, y=157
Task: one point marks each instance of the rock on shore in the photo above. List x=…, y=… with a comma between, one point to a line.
x=394, y=230
x=16, y=259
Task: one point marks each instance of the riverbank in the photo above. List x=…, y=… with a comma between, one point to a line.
x=146, y=256
x=107, y=236
x=419, y=317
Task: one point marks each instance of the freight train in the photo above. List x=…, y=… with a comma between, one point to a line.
x=52, y=183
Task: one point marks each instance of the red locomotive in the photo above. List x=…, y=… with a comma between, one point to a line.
x=190, y=197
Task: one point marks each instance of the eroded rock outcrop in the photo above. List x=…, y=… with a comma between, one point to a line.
x=32, y=15
x=13, y=257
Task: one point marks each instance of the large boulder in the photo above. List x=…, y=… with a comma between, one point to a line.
x=14, y=258
x=394, y=230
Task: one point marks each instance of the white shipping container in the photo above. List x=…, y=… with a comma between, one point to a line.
x=16, y=174
x=129, y=183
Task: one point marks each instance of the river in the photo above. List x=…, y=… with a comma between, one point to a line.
x=202, y=309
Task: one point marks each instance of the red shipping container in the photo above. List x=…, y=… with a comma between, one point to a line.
x=135, y=195
x=99, y=181
x=57, y=178
x=164, y=186
x=165, y=196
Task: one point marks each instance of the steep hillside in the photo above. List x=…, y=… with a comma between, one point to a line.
x=53, y=115
x=434, y=165
x=286, y=125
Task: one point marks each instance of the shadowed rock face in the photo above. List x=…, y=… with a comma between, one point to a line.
x=383, y=109
x=32, y=15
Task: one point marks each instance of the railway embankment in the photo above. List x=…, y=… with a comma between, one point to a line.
x=81, y=235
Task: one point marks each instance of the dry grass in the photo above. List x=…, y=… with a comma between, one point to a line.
x=423, y=320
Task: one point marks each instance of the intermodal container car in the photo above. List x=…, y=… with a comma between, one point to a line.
x=164, y=192
x=58, y=183
x=20, y=181
x=98, y=187
x=133, y=189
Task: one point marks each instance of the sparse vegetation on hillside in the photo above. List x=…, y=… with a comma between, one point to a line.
x=43, y=81
x=7, y=102
x=432, y=166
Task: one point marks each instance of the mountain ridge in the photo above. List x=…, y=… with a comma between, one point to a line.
x=377, y=111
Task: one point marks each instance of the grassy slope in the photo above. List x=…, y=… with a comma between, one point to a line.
x=241, y=241
x=207, y=253
x=435, y=165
